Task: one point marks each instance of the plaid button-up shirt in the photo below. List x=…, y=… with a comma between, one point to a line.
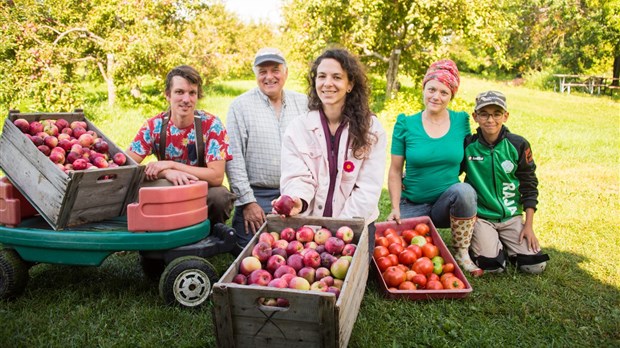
x=255, y=134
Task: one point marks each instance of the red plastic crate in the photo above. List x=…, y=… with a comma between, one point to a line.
x=422, y=294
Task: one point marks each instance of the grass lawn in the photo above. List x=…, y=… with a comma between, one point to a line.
x=576, y=302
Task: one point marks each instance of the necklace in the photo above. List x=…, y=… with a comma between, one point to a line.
x=430, y=120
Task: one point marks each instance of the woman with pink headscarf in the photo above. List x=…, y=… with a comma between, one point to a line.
x=428, y=145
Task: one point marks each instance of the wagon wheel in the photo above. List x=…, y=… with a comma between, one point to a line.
x=13, y=274
x=187, y=281
x=152, y=268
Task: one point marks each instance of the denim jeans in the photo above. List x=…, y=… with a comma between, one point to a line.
x=263, y=196
x=459, y=200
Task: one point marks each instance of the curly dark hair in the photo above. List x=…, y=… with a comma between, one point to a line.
x=356, y=111
x=186, y=72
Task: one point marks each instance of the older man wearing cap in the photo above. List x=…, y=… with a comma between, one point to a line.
x=256, y=122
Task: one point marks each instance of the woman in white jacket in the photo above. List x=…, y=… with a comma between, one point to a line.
x=333, y=160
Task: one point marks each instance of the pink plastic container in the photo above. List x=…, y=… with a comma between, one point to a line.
x=168, y=207
x=422, y=294
x=13, y=205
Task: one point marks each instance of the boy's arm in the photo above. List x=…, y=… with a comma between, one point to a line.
x=528, y=231
x=526, y=173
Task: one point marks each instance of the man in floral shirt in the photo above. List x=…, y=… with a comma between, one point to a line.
x=182, y=157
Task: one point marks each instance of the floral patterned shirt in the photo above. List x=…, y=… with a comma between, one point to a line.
x=181, y=143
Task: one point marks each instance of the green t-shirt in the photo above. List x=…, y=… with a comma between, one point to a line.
x=432, y=165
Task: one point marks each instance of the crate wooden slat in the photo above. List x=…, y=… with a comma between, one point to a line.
x=313, y=319
x=66, y=199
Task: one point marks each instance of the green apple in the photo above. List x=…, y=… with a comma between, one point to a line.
x=418, y=240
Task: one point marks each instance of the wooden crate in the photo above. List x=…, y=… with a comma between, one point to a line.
x=313, y=319
x=66, y=199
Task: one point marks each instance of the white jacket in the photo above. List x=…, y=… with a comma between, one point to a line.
x=305, y=170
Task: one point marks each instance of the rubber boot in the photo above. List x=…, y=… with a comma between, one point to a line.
x=462, y=232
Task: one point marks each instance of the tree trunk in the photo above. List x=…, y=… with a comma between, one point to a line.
x=616, y=72
x=392, y=74
x=110, y=80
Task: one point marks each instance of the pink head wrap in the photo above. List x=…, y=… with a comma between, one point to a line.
x=446, y=72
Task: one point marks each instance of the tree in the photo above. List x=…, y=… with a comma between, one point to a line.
x=388, y=34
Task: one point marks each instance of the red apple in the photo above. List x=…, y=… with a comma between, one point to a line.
x=282, y=302
x=334, y=290
x=78, y=124
x=274, y=262
x=240, y=279
x=86, y=140
x=294, y=247
x=51, y=141
x=51, y=129
x=72, y=156
x=283, y=205
x=262, y=251
x=307, y=273
x=279, y=251
x=338, y=283
x=23, y=125
x=44, y=149
x=345, y=233
x=93, y=134
x=334, y=245
x=101, y=145
x=320, y=237
x=267, y=238
x=36, y=140
x=247, y=265
x=288, y=276
x=288, y=234
x=61, y=123
x=35, y=127
x=278, y=283
x=349, y=249
x=259, y=277
x=280, y=243
x=327, y=259
x=322, y=272
x=296, y=261
x=312, y=259
x=57, y=157
x=328, y=280
x=299, y=283
x=67, y=131
x=284, y=269
x=311, y=245
x=305, y=234
x=78, y=132
x=119, y=158
x=320, y=248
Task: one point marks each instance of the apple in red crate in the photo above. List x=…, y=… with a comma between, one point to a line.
x=283, y=270
x=274, y=262
x=307, y=273
x=240, y=279
x=320, y=237
x=312, y=259
x=288, y=234
x=248, y=264
x=305, y=234
x=22, y=125
x=299, y=283
x=334, y=245
x=259, y=277
x=262, y=251
x=340, y=268
x=345, y=233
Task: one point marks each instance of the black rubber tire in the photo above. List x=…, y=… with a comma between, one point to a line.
x=187, y=281
x=13, y=274
x=152, y=268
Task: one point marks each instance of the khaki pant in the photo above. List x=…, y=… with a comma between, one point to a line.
x=219, y=200
x=491, y=237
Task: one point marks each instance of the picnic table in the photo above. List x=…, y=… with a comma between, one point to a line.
x=589, y=84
